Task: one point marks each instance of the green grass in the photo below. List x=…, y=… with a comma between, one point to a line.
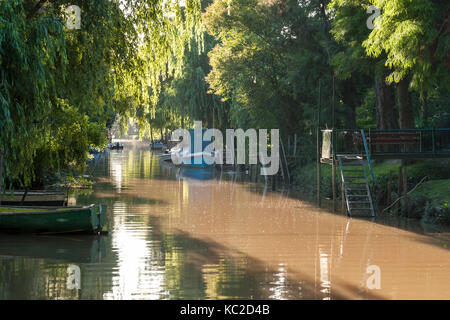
x=430, y=198
x=435, y=169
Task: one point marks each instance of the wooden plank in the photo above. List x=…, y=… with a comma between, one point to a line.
x=385, y=141
x=394, y=134
x=394, y=138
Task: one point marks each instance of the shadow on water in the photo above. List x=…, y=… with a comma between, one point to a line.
x=437, y=235
x=42, y=267
x=172, y=236
x=72, y=248
x=200, y=269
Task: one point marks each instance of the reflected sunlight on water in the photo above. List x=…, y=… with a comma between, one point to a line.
x=172, y=236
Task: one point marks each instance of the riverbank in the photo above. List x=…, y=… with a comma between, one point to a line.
x=74, y=177
x=428, y=187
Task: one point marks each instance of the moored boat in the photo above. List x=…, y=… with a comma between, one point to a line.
x=158, y=145
x=188, y=156
x=34, y=198
x=52, y=220
x=115, y=146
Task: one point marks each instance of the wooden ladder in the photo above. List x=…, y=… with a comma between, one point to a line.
x=356, y=186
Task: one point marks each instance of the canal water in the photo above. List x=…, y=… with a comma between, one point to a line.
x=175, y=235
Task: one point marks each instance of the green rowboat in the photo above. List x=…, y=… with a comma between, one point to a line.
x=49, y=220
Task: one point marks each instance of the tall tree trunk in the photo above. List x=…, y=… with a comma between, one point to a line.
x=405, y=109
x=385, y=102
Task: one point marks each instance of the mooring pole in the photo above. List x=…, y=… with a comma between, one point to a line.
x=295, y=145
x=333, y=119
x=333, y=151
x=319, y=203
x=1, y=176
x=405, y=192
x=318, y=167
x=399, y=187
x=334, y=183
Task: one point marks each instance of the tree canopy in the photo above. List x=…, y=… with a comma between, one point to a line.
x=61, y=86
x=239, y=63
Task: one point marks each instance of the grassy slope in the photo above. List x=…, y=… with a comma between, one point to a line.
x=435, y=190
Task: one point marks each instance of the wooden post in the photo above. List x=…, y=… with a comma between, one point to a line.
x=334, y=184
x=433, y=138
x=318, y=167
x=420, y=141
x=319, y=203
x=405, y=192
x=389, y=188
x=295, y=145
x=399, y=188
x=1, y=175
x=333, y=118
x=24, y=196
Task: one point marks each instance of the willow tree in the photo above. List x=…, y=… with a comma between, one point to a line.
x=59, y=85
x=28, y=83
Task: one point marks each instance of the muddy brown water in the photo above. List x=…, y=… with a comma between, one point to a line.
x=175, y=236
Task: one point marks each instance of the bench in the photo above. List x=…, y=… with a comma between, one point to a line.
x=376, y=140
x=390, y=138
x=405, y=140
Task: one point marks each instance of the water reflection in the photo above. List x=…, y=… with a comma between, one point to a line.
x=196, y=174
x=33, y=267
x=174, y=236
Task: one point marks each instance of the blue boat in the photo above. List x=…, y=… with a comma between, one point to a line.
x=193, y=173
x=188, y=157
x=157, y=145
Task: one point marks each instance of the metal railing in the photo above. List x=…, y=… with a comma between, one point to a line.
x=433, y=142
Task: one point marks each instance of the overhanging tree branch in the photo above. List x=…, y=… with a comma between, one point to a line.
x=36, y=9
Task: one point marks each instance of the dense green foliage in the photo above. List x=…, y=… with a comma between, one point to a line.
x=61, y=87
x=237, y=63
